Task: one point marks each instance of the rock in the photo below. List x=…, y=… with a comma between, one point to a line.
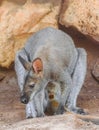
x=83, y=15
x=2, y=76
x=60, y=122
x=95, y=71
x=21, y=18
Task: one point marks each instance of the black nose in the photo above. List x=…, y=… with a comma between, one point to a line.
x=24, y=99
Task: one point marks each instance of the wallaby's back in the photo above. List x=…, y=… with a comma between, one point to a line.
x=51, y=45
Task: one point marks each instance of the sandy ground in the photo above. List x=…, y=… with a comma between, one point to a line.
x=12, y=111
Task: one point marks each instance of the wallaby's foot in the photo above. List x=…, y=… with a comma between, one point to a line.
x=79, y=111
x=76, y=110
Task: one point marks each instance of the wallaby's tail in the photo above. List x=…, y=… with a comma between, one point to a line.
x=89, y=118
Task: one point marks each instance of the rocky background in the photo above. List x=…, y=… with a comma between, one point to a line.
x=19, y=19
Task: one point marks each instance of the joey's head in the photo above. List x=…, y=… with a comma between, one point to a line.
x=34, y=79
x=53, y=89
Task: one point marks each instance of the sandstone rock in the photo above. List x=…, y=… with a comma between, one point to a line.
x=2, y=76
x=95, y=71
x=21, y=18
x=61, y=122
x=83, y=15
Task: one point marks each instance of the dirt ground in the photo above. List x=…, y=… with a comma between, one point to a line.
x=12, y=111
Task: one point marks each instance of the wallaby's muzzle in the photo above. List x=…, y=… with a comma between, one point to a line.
x=24, y=99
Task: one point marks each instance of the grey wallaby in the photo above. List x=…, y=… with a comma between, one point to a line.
x=50, y=55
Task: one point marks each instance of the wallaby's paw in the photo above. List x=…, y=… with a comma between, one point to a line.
x=30, y=111
x=29, y=117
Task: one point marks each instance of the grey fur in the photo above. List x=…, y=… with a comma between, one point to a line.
x=59, y=55
x=36, y=107
x=78, y=77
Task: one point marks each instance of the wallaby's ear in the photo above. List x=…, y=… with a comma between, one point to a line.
x=27, y=65
x=37, y=65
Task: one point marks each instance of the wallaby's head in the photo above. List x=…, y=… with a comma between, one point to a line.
x=34, y=78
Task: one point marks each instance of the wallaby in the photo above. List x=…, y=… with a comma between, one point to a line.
x=50, y=55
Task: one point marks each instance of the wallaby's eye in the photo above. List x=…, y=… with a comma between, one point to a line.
x=31, y=85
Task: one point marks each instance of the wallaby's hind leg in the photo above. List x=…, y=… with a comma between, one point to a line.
x=78, y=80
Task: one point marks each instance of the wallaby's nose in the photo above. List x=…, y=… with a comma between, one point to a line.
x=24, y=99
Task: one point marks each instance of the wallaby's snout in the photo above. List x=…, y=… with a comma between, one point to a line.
x=24, y=99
